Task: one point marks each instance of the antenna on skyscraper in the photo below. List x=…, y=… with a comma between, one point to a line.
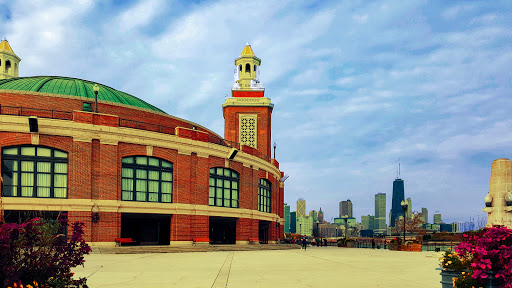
x=398, y=167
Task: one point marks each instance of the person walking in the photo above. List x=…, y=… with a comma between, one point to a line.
x=304, y=242
x=373, y=243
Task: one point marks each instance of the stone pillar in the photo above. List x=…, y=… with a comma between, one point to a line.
x=501, y=184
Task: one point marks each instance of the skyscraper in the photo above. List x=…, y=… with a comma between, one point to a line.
x=313, y=214
x=301, y=207
x=286, y=218
x=304, y=225
x=368, y=222
x=437, y=218
x=409, y=207
x=293, y=222
x=345, y=208
x=398, y=197
x=380, y=213
x=320, y=215
x=424, y=215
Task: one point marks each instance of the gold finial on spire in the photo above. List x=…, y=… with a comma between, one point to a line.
x=247, y=50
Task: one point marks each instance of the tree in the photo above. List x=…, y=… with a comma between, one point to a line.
x=412, y=224
x=34, y=252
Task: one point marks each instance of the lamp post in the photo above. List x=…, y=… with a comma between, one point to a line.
x=96, y=89
x=404, y=209
x=275, y=145
x=346, y=224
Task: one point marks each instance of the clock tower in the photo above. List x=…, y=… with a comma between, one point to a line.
x=247, y=115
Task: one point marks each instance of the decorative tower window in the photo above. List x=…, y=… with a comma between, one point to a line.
x=248, y=130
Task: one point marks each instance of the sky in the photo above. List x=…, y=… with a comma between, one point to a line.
x=358, y=86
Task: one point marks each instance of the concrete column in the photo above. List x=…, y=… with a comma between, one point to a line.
x=501, y=184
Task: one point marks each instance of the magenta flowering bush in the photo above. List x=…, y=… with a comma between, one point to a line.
x=35, y=252
x=486, y=250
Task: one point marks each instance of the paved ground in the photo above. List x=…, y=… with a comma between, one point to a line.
x=316, y=267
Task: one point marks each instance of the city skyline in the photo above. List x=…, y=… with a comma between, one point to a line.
x=356, y=85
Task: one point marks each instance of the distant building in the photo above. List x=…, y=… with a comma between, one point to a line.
x=339, y=221
x=301, y=207
x=304, y=225
x=437, y=218
x=366, y=233
x=396, y=201
x=368, y=222
x=320, y=216
x=286, y=218
x=314, y=215
x=432, y=227
x=409, y=207
x=328, y=230
x=380, y=214
x=293, y=222
x=455, y=227
x=424, y=215
x=345, y=208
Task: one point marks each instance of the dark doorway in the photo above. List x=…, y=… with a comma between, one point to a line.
x=263, y=235
x=146, y=229
x=222, y=230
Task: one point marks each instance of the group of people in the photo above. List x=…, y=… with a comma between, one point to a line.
x=319, y=242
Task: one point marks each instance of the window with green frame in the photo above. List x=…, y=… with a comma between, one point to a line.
x=34, y=171
x=146, y=179
x=223, y=187
x=264, y=190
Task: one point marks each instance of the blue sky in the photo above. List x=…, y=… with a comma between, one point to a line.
x=357, y=85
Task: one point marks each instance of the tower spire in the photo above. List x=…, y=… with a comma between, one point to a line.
x=247, y=71
x=9, y=61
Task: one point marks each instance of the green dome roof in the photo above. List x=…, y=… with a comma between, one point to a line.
x=72, y=87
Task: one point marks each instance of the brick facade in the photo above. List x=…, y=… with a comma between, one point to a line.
x=94, y=167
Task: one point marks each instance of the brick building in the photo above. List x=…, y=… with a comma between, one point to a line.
x=127, y=169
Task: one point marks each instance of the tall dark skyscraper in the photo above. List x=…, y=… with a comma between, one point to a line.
x=398, y=197
x=293, y=222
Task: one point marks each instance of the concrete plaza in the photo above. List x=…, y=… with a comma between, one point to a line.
x=315, y=267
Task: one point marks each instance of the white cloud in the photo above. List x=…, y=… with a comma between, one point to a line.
x=139, y=15
x=455, y=11
x=361, y=19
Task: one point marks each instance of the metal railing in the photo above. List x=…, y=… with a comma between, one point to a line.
x=146, y=126
x=43, y=113
x=66, y=115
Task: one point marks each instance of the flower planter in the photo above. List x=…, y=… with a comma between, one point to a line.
x=416, y=247
x=493, y=282
x=448, y=277
x=350, y=244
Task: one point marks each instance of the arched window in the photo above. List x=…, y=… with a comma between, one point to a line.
x=255, y=68
x=34, y=171
x=7, y=66
x=264, y=193
x=223, y=187
x=146, y=179
x=240, y=68
x=247, y=68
